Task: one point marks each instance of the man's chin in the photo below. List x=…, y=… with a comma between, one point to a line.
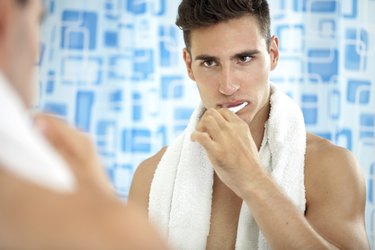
x=246, y=117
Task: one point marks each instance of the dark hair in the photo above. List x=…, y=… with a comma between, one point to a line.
x=193, y=14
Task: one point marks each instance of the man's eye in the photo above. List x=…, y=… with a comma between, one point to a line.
x=209, y=64
x=245, y=59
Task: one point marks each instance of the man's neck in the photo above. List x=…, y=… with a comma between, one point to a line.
x=258, y=123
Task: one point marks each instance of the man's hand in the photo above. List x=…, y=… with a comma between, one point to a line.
x=77, y=149
x=230, y=148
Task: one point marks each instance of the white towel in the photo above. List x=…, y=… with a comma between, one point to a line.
x=24, y=151
x=181, y=190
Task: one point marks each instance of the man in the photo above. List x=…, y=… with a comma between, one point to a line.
x=44, y=204
x=256, y=194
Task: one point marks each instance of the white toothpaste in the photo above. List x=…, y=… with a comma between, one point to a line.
x=238, y=108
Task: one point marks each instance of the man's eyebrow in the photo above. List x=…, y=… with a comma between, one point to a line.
x=205, y=58
x=246, y=53
x=237, y=55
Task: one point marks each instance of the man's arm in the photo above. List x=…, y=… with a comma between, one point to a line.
x=278, y=218
x=335, y=206
x=33, y=217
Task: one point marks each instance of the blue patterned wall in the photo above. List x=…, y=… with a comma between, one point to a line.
x=114, y=68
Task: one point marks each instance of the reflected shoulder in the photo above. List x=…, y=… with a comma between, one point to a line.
x=141, y=184
x=147, y=167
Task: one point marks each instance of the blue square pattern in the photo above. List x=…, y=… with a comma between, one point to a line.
x=284, y=73
x=111, y=39
x=172, y=87
x=358, y=91
x=344, y=138
x=72, y=68
x=136, y=7
x=334, y=107
x=111, y=8
x=106, y=134
x=169, y=50
x=371, y=184
x=327, y=28
x=51, y=6
x=323, y=63
x=355, y=50
x=137, y=107
x=181, y=117
x=183, y=114
x=121, y=176
x=119, y=67
x=316, y=6
x=310, y=109
x=353, y=9
x=84, y=105
x=59, y=109
x=292, y=37
x=279, y=9
x=79, y=30
x=136, y=140
x=161, y=134
x=143, y=64
x=50, y=84
x=109, y=5
x=159, y=7
x=367, y=122
x=116, y=100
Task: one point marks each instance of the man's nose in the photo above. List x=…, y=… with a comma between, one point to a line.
x=228, y=85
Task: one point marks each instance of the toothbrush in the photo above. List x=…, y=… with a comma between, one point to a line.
x=238, y=108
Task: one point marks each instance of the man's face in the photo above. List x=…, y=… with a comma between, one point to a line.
x=230, y=64
x=20, y=44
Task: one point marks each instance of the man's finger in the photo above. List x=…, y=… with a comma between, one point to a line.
x=209, y=124
x=213, y=120
x=228, y=115
x=203, y=139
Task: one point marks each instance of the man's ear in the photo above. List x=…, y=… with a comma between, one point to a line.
x=188, y=62
x=274, y=51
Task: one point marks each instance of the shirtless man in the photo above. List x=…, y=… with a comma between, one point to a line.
x=42, y=205
x=229, y=54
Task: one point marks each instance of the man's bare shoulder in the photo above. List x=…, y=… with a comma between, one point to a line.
x=332, y=174
x=322, y=156
x=328, y=164
x=335, y=193
x=141, y=184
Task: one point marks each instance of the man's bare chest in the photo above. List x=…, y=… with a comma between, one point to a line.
x=225, y=211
